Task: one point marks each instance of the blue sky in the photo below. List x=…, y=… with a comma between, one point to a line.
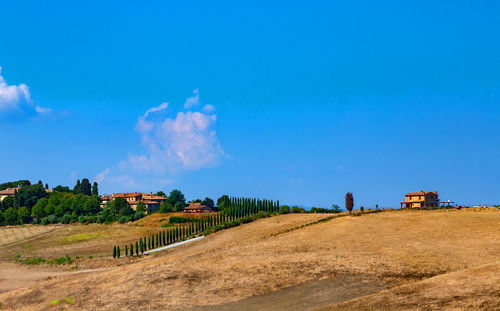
x=296, y=101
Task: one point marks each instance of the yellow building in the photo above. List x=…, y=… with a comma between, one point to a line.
x=422, y=199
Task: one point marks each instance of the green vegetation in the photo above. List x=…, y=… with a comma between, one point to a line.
x=64, y=260
x=234, y=212
x=179, y=220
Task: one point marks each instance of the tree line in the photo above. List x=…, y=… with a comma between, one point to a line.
x=232, y=212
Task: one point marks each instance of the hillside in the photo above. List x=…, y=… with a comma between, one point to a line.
x=396, y=250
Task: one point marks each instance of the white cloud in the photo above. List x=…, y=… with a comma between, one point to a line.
x=193, y=100
x=16, y=100
x=184, y=141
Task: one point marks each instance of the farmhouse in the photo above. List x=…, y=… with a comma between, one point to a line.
x=421, y=199
x=197, y=208
x=151, y=201
x=7, y=192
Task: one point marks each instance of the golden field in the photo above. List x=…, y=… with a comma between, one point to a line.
x=388, y=260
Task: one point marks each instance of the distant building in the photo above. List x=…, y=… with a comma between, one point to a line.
x=422, y=199
x=10, y=192
x=197, y=208
x=151, y=201
x=7, y=193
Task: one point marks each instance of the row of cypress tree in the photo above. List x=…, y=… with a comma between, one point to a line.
x=231, y=209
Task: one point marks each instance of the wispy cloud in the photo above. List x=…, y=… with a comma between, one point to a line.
x=16, y=100
x=186, y=141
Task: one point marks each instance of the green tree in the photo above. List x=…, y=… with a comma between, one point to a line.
x=38, y=211
x=141, y=207
x=175, y=197
x=2, y=219
x=85, y=187
x=161, y=194
x=60, y=188
x=336, y=208
x=92, y=205
x=131, y=249
x=137, y=248
x=166, y=207
x=126, y=250
x=179, y=206
x=114, y=251
x=95, y=189
x=284, y=209
x=77, y=189
x=222, y=201
x=118, y=205
x=24, y=215
x=11, y=217
x=6, y=203
x=29, y=195
x=208, y=202
x=118, y=251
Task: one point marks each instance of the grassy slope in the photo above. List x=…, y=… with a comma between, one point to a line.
x=254, y=259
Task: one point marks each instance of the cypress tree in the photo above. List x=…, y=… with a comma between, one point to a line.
x=126, y=250
x=164, y=241
x=141, y=245
x=114, y=251
x=131, y=250
x=157, y=240
x=118, y=251
x=136, y=248
x=149, y=243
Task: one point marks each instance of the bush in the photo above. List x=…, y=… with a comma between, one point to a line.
x=139, y=214
x=52, y=219
x=179, y=220
x=285, y=209
x=11, y=217
x=66, y=219
x=297, y=210
x=122, y=219
x=362, y=209
x=44, y=221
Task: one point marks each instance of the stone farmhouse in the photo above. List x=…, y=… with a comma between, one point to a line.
x=421, y=199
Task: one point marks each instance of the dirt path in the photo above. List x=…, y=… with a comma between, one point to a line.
x=305, y=296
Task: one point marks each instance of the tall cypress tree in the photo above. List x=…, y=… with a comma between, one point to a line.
x=95, y=189
x=118, y=251
x=126, y=250
x=114, y=251
x=137, y=248
x=131, y=249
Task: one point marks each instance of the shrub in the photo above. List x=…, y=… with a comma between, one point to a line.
x=122, y=219
x=44, y=221
x=179, y=220
x=52, y=219
x=139, y=214
x=297, y=209
x=66, y=219
x=362, y=209
x=285, y=209
x=64, y=260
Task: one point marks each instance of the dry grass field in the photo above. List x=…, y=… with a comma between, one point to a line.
x=405, y=259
